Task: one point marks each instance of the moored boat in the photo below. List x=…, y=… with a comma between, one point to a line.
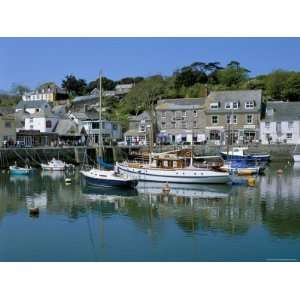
x=54, y=165
x=102, y=178
x=241, y=154
x=172, y=168
x=296, y=154
x=15, y=170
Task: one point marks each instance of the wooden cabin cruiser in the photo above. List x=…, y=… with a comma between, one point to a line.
x=172, y=167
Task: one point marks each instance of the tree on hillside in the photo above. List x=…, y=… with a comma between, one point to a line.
x=74, y=86
x=233, y=75
x=107, y=85
x=291, y=91
x=128, y=80
x=275, y=84
x=144, y=95
x=19, y=89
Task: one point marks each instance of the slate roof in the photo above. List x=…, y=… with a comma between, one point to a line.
x=282, y=111
x=143, y=116
x=242, y=96
x=134, y=133
x=6, y=110
x=43, y=114
x=85, y=98
x=32, y=104
x=66, y=127
x=181, y=104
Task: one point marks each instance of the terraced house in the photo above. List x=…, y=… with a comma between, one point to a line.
x=234, y=112
x=181, y=120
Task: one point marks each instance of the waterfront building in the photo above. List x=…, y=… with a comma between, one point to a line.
x=281, y=123
x=7, y=127
x=139, y=130
x=80, y=103
x=49, y=93
x=237, y=112
x=89, y=120
x=181, y=120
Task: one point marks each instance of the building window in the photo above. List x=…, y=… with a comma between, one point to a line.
x=234, y=117
x=195, y=124
x=163, y=125
x=249, y=119
x=195, y=113
x=142, y=127
x=31, y=126
x=214, y=135
x=115, y=126
x=289, y=135
x=95, y=125
x=31, y=120
x=177, y=124
x=214, y=105
x=249, y=104
x=48, y=124
x=236, y=105
x=7, y=124
x=228, y=119
x=184, y=114
x=163, y=114
x=183, y=124
x=214, y=119
x=228, y=105
x=173, y=125
x=267, y=124
x=290, y=124
x=177, y=114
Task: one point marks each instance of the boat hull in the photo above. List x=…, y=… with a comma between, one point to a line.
x=253, y=157
x=296, y=157
x=52, y=168
x=194, y=176
x=106, y=182
x=19, y=171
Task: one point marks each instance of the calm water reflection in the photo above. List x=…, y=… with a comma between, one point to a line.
x=205, y=223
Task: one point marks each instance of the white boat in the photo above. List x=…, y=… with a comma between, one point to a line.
x=172, y=168
x=14, y=170
x=241, y=170
x=54, y=165
x=104, y=178
x=296, y=154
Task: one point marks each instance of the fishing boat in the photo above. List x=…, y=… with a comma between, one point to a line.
x=173, y=168
x=102, y=178
x=241, y=168
x=296, y=154
x=241, y=153
x=15, y=170
x=54, y=165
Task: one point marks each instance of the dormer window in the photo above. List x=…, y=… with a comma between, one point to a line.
x=250, y=104
x=228, y=105
x=236, y=105
x=214, y=105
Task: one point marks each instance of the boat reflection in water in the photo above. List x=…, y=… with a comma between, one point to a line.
x=37, y=201
x=186, y=190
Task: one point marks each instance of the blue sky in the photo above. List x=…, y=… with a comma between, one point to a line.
x=32, y=61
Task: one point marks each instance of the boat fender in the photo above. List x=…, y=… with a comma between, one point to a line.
x=251, y=181
x=166, y=189
x=279, y=171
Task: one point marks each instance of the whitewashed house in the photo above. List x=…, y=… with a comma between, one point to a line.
x=41, y=121
x=281, y=123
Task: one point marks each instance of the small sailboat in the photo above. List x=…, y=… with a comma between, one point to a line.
x=15, y=170
x=54, y=165
x=104, y=178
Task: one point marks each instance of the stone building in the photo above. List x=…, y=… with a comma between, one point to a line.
x=139, y=130
x=181, y=120
x=281, y=123
x=237, y=112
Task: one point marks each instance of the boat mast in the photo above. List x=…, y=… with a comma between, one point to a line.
x=100, y=116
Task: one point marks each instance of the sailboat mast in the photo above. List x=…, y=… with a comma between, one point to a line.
x=100, y=115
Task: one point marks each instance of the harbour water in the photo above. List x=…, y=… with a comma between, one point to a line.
x=204, y=223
